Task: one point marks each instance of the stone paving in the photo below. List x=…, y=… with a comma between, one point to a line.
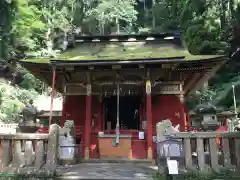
x=109, y=171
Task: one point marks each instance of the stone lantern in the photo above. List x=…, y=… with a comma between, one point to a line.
x=208, y=116
x=29, y=123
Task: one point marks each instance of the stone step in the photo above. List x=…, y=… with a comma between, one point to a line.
x=142, y=161
x=114, y=171
x=99, y=178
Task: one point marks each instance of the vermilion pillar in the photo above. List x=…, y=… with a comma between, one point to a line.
x=149, y=119
x=87, y=137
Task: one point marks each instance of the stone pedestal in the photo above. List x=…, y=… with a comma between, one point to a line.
x=67, y=141
x=28, y=127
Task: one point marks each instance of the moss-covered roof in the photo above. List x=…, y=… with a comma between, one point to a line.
x=123, y=51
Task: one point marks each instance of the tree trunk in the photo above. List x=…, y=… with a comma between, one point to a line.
x=118, y=26
x=153, y=15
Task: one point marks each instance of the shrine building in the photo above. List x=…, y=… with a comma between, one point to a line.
x=116, y=88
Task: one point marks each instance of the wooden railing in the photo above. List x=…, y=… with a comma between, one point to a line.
x=209, y=150
x=29, y=152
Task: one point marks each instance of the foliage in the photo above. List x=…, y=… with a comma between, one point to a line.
x=205, y=24
x=15, y=176
x=12, y=101
x=198, y=176
x=7, y=9
x=40, y=28
x=203, y=95
x=114, y=11
x=28, y=26
x=30, y=82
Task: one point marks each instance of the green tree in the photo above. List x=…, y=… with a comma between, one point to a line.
x=114, y=11
x=28, y=26
x=12, y=100
x=40, y=27
x=7, y=13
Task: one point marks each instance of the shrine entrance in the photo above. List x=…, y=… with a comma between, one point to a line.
x=119, y=65
x=129, y=108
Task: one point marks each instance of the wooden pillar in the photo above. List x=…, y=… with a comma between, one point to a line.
x=183, y=114
x=149, y=119
x=88, y=120
x=140, y=116
x=101, y=120
x=144, y=110
x=63, y=117
x=52, y=93
x=102, y=117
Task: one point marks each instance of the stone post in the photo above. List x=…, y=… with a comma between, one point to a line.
x=52, y=148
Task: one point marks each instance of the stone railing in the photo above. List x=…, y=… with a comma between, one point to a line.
x=209, y=150
x=30, y=153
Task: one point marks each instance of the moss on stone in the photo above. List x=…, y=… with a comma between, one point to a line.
x=119, y=51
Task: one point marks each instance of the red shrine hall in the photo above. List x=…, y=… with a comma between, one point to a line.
x=117, y=88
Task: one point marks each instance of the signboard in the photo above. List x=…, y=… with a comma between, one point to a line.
x=172, y=166
x=141, y=135
x=100, y=134
x=148, y=87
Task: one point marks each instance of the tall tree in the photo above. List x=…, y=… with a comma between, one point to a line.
x=28, y=27
x=7, y=13
x=114, y=11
